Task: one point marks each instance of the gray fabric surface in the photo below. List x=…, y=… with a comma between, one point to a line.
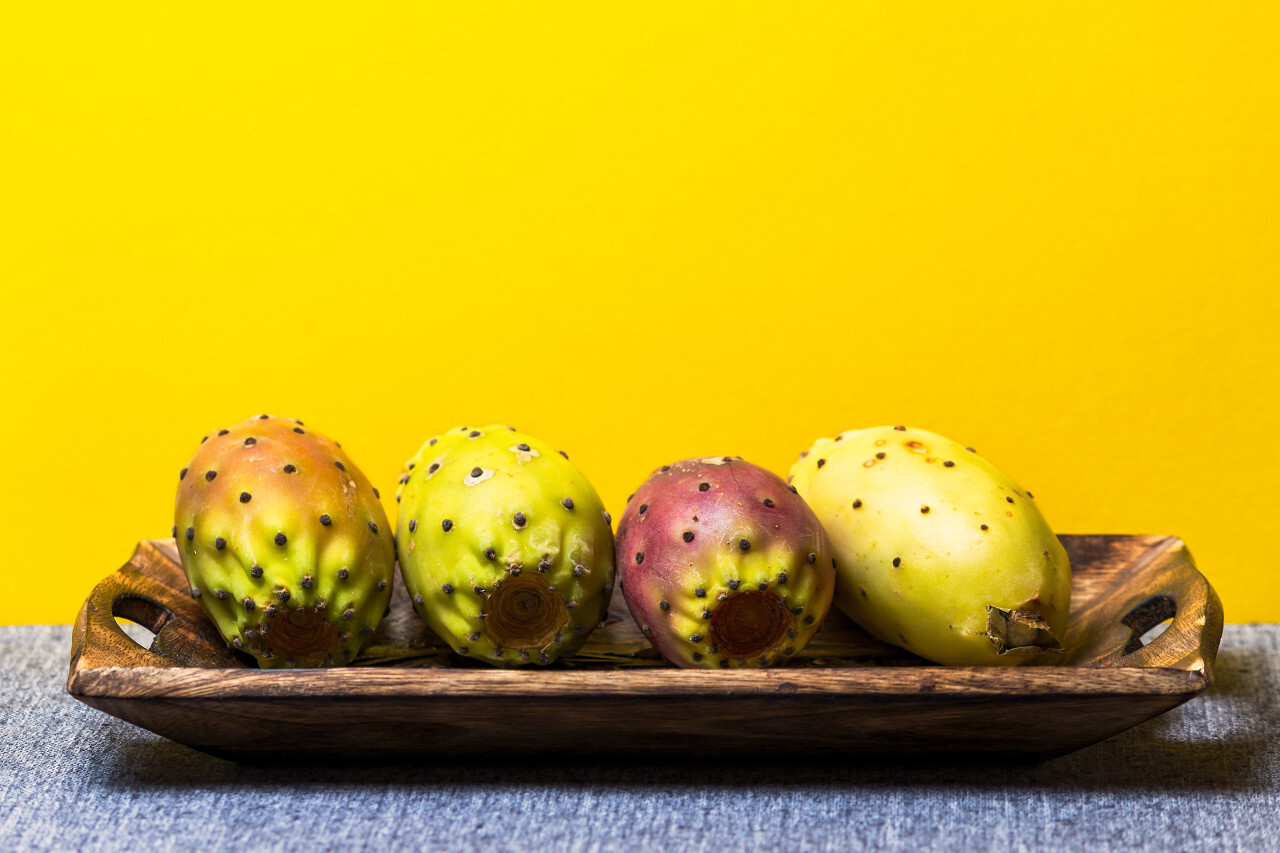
x=1202, y=776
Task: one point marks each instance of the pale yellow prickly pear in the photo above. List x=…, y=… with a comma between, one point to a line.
x=939, y=551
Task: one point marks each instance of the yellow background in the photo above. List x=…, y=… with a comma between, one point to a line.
x=642, y=234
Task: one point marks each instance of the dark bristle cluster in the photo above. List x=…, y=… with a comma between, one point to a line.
x=289, y=469
x=567, y=503
x=210, y=475
x=281, y=539
x=373, y=527
x=446, y=525
x=250, y=441
x=326, y=520
x=768, y=502
x=299, y=430
x=220, y=543
x=688, y=536
x=245, y=497
x=413, y=524
x=702, y=487
x=338, y=464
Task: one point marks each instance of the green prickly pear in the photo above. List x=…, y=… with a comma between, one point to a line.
x=723, y=565
x=284, y=542
x=940, y=552
x=505, y=548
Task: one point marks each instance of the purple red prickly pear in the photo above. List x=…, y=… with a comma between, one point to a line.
x=723, y=564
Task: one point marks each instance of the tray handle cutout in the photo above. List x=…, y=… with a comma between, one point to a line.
x=145, y=612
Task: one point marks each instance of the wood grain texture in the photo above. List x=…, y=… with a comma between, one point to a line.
x=846, y=693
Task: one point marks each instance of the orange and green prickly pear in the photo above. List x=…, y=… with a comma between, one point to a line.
x=723, y=565
x=284, y=542
x=940, y=552
x=505, y=548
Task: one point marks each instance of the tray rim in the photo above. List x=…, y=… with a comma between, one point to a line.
x=1189, y=676
x=202, y=684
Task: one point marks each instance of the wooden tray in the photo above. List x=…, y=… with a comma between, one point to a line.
x=407, y=696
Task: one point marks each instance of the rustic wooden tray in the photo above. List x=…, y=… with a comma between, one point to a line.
x=408, y=696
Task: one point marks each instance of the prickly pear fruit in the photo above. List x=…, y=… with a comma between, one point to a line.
x=723, y=565
x=941, y=553
x=284, y=542
x=505, y=547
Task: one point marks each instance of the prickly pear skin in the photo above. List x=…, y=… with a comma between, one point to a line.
x=928, y=534
x=505, y=547
x=705, y=538
x=284, y=542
